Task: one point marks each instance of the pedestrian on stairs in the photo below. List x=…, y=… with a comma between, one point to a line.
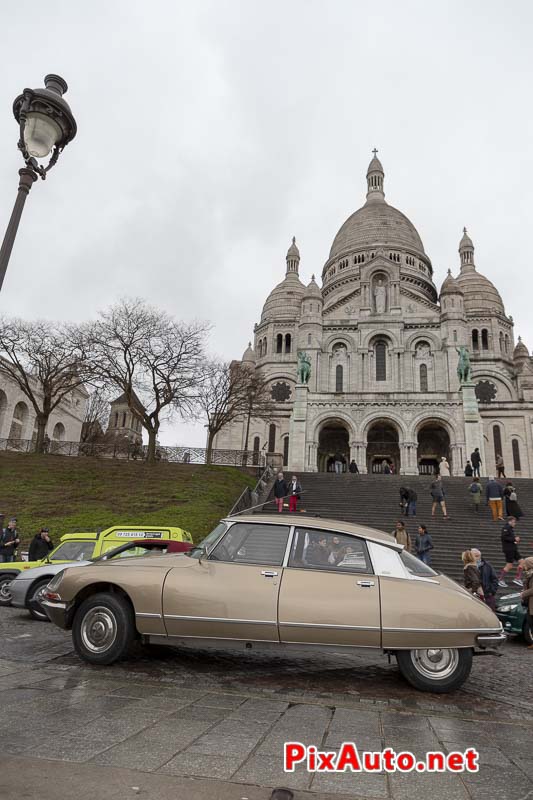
x=401, y=535
x=423, y=545
x=439, y=497
x=527, y=594
x=500, y=466
x=444, y=468
x=475, y=490
x=468, y=470
x=294, y=492
x=475, y=460
x=512, y=509
x=354, y=469
x=510, y=542
x=494, y=498
x=489, y=579
x=471, y=576
x=338, y=462
x=280, y=491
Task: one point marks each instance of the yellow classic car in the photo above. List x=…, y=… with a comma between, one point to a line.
x=84, y=546
x=266, y=581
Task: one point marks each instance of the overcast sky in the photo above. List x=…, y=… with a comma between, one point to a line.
x=210, y=133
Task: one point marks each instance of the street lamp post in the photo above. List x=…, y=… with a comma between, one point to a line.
x=46, y=125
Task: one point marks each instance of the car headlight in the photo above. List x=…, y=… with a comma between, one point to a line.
x=506, y=609
x=56, y=582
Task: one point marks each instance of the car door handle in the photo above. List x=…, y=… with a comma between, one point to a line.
x=365, y=584
x=266, y=573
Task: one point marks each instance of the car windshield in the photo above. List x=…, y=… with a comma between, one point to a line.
x=208, y=542
x=73, y=551
x=415, y=566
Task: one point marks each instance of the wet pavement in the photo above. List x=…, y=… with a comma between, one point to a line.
x=221, y=719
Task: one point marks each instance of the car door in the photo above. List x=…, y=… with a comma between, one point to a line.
x=329, y=594
x=232, y=594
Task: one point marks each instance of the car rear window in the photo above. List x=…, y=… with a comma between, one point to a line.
x=338, y=552
x=415, y=566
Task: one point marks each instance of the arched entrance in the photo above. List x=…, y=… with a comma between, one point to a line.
x=382, y=447
x=433, y=443
x=333, y=438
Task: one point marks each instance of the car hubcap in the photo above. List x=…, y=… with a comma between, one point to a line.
x=5, y=594
x=98, y=629
x=435, y=664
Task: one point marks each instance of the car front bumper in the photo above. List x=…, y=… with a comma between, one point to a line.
x=491, y=640
x=57, y=612
x=19, y=592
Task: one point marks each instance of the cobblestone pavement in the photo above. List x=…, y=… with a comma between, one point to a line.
x=210, y=715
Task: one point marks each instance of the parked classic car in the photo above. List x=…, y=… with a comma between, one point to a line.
x=512, y=614
x=27, y=588
x=85, y=546
x=268, y=581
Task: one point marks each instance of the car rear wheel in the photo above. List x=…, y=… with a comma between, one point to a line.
x=34, y=600
x=5, y=594
x=103, y=629
x=435, y=670
x=527, y=632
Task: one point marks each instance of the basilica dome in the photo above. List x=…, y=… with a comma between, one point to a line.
x=284, y=301
x=376, y=223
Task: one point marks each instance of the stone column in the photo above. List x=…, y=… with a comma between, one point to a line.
x=297, y=429
x=457, y=465
x=358, y=452
x=408, y=465
x=312, y=463
x=473, y=423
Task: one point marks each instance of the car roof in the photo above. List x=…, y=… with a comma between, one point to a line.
x=320, y=523
x=67, y=537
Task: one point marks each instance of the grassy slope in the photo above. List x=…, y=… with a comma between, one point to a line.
x=84, y=494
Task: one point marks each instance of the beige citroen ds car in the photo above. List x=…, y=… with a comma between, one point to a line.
x=274, y=581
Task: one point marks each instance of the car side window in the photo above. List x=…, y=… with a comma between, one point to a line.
x=338, y=552
x=74, y=551
x=250, y=543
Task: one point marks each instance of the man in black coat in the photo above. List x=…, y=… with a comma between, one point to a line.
x=475, y=460
x=40, y=545
x=9, y=541
x=510, y=542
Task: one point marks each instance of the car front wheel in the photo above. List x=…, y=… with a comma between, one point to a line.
x=34, y=600
x=103, y=629
x=5, y=594
x=436, y=670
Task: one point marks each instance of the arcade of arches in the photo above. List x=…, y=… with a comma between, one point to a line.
x=383, y=446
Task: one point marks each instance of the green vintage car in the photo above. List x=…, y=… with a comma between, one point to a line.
x=512, y=615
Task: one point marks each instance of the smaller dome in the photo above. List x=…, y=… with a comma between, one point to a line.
x=466, y=241
x=284, y=300
x=313, y=290
x=520, y=352
x=293, y=249
x=249, y=354
x=450, y=285
x=375, y=166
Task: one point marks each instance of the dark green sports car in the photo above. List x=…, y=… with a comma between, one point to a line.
x=512, y=615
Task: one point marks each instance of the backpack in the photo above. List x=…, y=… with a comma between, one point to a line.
x=512, y=497
x=475, y=488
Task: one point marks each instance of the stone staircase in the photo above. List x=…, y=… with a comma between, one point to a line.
x=374, y=500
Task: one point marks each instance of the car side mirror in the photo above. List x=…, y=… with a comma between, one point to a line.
x=202, y=554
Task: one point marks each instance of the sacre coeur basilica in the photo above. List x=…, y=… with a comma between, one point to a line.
x=382, y=347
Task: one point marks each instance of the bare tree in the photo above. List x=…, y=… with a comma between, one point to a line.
x=154, y=360
x=231, y=391
x=46, y=361
x=259, y=402
x=96, y=416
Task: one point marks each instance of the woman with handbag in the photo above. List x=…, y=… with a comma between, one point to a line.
x=472, y=578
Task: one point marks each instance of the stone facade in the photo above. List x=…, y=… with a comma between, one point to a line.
x=17, y=416
x=383, y=344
